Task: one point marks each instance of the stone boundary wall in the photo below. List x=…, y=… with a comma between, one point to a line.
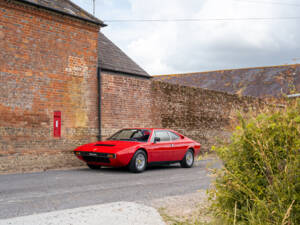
x=203, y=115
x=200, y=114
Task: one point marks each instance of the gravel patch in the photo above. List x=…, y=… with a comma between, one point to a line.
x=189, y=207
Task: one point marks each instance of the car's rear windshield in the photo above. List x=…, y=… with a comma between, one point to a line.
x=138, y=135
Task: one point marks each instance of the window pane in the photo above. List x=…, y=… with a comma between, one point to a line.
x=142, y=135
x=163, y=135
x=124, y=134
x=174, y=136
x=131, y=135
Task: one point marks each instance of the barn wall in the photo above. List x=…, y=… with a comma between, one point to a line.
x=126, y=101
x=48, y=62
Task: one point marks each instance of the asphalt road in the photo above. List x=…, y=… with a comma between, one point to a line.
x=26, y=194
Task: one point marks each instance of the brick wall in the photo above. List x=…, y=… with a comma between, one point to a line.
x=200, y=114
x=126, y=102
x=48, y=62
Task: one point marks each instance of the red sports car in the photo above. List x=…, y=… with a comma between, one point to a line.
x=139, y=147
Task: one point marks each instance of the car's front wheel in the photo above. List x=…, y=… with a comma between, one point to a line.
x=188, y=160
x=138, y=162
x=94, y=167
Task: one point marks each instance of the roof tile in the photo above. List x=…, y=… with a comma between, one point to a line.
x=113, y=58
x=257, y=82
x=65, y=6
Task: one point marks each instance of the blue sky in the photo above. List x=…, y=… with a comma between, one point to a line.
x=179, y=47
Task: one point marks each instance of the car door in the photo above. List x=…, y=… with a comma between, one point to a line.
x=178, y=147
x=160, y=151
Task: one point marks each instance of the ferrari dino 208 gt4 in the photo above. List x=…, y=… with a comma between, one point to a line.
x=137, y=148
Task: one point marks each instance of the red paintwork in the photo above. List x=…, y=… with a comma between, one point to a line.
x=156, y=152
x=57, y=124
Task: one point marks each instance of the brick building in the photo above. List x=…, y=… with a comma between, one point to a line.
x=50, y=76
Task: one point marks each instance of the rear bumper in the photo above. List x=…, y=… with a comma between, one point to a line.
x=102, y=159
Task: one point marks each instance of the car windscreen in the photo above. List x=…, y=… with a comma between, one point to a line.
x=139, y=135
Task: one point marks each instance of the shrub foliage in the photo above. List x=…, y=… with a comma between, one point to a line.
x=260, y=180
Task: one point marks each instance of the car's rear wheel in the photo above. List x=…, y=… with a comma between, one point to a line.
x=138, y=162
x=188, y=160
x=94, y=167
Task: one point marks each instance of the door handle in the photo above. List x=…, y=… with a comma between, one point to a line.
x=172, y=145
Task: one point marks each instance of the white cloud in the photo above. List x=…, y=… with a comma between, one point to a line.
x=162, y=48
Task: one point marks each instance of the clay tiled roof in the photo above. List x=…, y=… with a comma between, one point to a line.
x=257, y=82
x=65, y=7
x=113, y=58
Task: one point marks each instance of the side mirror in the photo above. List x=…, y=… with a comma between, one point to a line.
x=156, y=139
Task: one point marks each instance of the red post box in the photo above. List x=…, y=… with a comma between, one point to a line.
x=57, y=124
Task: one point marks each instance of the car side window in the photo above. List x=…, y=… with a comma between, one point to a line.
x=174, y=136
x=163, y=135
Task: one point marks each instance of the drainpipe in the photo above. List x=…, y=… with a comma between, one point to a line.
x=99, y=100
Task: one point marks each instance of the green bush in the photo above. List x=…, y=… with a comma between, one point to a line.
x=260, y=180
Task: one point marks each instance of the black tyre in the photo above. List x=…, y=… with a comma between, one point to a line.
x=138, y=162
x=188, y=160
x=94, y=167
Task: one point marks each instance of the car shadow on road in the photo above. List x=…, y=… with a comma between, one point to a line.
x=202, y=164
x=126, y=170
x=164, y=167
